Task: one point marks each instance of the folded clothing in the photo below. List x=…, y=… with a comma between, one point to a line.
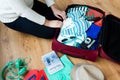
x=77, y=12
x=93, y=31
x=76, y=29
x=91, y=41
x=63, y=74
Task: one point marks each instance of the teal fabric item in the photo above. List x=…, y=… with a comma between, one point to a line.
x=63, y=74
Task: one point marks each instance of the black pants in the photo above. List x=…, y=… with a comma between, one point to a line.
x=26, y=26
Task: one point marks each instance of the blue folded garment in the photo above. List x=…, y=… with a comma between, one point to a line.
x=93, y=31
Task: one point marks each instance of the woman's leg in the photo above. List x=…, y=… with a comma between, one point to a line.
x=27, y=26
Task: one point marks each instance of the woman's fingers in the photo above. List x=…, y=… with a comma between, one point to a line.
x=53, y=23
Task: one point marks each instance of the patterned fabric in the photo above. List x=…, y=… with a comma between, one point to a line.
x=77, y=12
x=69, y=30
x=74, y=26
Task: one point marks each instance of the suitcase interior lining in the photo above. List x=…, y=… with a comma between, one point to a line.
x=110, y=36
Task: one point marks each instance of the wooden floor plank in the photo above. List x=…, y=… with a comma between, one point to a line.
x=14, y=44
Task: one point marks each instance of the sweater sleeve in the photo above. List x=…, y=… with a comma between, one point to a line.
x=23, y=10
x=49, y=2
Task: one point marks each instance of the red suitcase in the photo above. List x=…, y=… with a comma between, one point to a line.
x=109, y=39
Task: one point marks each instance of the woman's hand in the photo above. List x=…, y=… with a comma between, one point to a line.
x=58, y=13
x=53, y=23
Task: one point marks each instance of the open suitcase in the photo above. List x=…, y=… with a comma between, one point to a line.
x=108, y=37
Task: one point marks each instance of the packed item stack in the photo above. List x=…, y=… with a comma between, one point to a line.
x=79, y=29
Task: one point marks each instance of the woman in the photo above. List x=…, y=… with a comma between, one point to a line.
x=31, y=16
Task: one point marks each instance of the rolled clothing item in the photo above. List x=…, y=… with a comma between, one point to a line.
x=63, y=74
x=86, y=71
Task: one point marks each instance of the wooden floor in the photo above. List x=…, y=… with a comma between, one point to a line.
x=14, y=44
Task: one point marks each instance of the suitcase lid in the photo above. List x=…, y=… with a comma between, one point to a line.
x=109, y=38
